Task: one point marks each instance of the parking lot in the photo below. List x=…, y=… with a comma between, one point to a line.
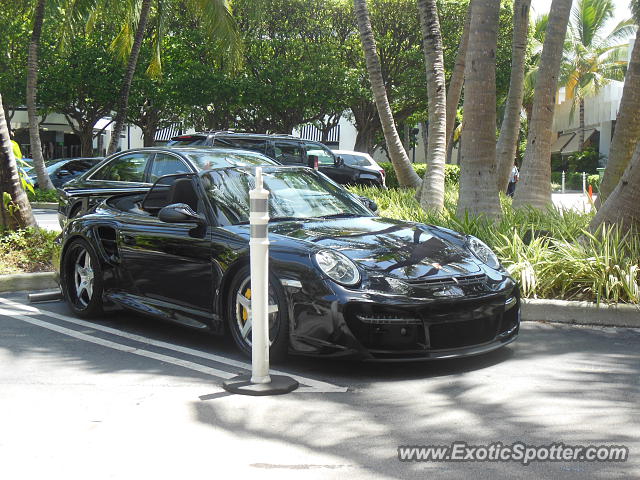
x=128, y=396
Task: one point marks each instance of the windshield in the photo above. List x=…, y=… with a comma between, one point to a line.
x=294, y=194
x=356, y=160
x=213, y=159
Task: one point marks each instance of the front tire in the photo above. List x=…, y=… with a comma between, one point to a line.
x=239, y=315
x=81, y=279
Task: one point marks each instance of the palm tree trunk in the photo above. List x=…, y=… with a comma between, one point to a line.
x=432, y=190
x=32, y=86
x=407, y=177
x=456, y=82
x=510, y=129
x=10, y=183
x=534, y=186
x=621, y=207
x=123, y=100
x=478, y=189
x=627, y=131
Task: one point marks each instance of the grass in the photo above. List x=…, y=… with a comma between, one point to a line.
x=550, y=253
x=26, y=251
x=43, y=195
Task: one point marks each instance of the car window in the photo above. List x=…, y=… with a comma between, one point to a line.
x=288, y=152
x=324, y=156
x=78, y=166
x=356, y=160
x=127, y=168
x=165, y=164
x=186, y=140
x=294, y=193
x=255, y=144
x=208, y=160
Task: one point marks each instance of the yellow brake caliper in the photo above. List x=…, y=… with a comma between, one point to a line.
x=245, y=313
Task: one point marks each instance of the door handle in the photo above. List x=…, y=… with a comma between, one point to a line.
x=128, y=240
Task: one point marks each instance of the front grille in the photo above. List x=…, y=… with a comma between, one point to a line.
x=444, y=336
x=447, y=281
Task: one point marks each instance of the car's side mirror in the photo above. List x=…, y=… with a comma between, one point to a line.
x=370, y=204
x=180, y=213
x=339, y=162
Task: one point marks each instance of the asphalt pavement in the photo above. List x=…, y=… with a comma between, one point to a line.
x=131, y=397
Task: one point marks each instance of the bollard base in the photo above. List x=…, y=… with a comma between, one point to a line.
x=45, y=296
x=242, y=385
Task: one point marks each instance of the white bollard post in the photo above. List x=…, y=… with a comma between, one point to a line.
x=259, y=382
x=563, y=180
x=584, y=182
x=259, y=252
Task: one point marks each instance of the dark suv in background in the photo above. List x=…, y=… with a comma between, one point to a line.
x=286, y=149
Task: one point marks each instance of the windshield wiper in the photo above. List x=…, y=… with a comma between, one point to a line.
x=341, y=215
x=285, y=219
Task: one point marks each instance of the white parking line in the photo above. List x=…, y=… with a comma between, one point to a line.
x=313, y=385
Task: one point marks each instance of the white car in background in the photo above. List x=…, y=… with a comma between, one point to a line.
x=368, y=169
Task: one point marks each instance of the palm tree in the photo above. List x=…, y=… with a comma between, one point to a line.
x=407, y=176
x=32, y=85
x=627, y=131
x=510, y=129
x=455, y=83
x=538, y=30
x=478, y=189
x=621, y=207
x=10, y=183
x=213, y=15
x=432, y=193
x=534, y=187
x=593, y=60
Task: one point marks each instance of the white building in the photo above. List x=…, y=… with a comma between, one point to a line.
x=600, y=113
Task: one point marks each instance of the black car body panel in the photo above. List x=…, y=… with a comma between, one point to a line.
x=287, y=150
x=422, y=295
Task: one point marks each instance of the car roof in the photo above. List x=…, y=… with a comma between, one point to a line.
x=242, y=134
x=352, y=152
x=192, y=149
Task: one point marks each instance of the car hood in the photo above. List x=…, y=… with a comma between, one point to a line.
x=404, y=250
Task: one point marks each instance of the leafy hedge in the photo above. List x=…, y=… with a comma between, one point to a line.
x=451, y=173
x=43, y=195
x=28, y=250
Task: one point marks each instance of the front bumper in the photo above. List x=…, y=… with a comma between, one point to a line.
x=377, y=326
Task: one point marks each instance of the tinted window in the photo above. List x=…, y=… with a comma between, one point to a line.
x=127, y=168
x=165, y=164
x=79, y=166
x=288, y=152
x=208, y=160
x=188, y=140
x=324, y=155
x=255, y=144
x=356, y=160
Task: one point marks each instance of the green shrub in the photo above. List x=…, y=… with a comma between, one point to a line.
x=43, y=196
x=550, y=253
x=585, y=161
x=28, y=250
x=451, y=173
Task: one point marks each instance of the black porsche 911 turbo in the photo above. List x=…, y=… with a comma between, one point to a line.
x=343, y=281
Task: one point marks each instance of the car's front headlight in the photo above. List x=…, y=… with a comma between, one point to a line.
x=338, y=267
x=482, y=252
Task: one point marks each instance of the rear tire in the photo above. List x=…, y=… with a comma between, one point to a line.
x=239, y=313
x=81, y=279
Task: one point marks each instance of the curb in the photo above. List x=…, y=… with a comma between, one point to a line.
x=44, y=205
x=28, y=281
x=580, y=313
